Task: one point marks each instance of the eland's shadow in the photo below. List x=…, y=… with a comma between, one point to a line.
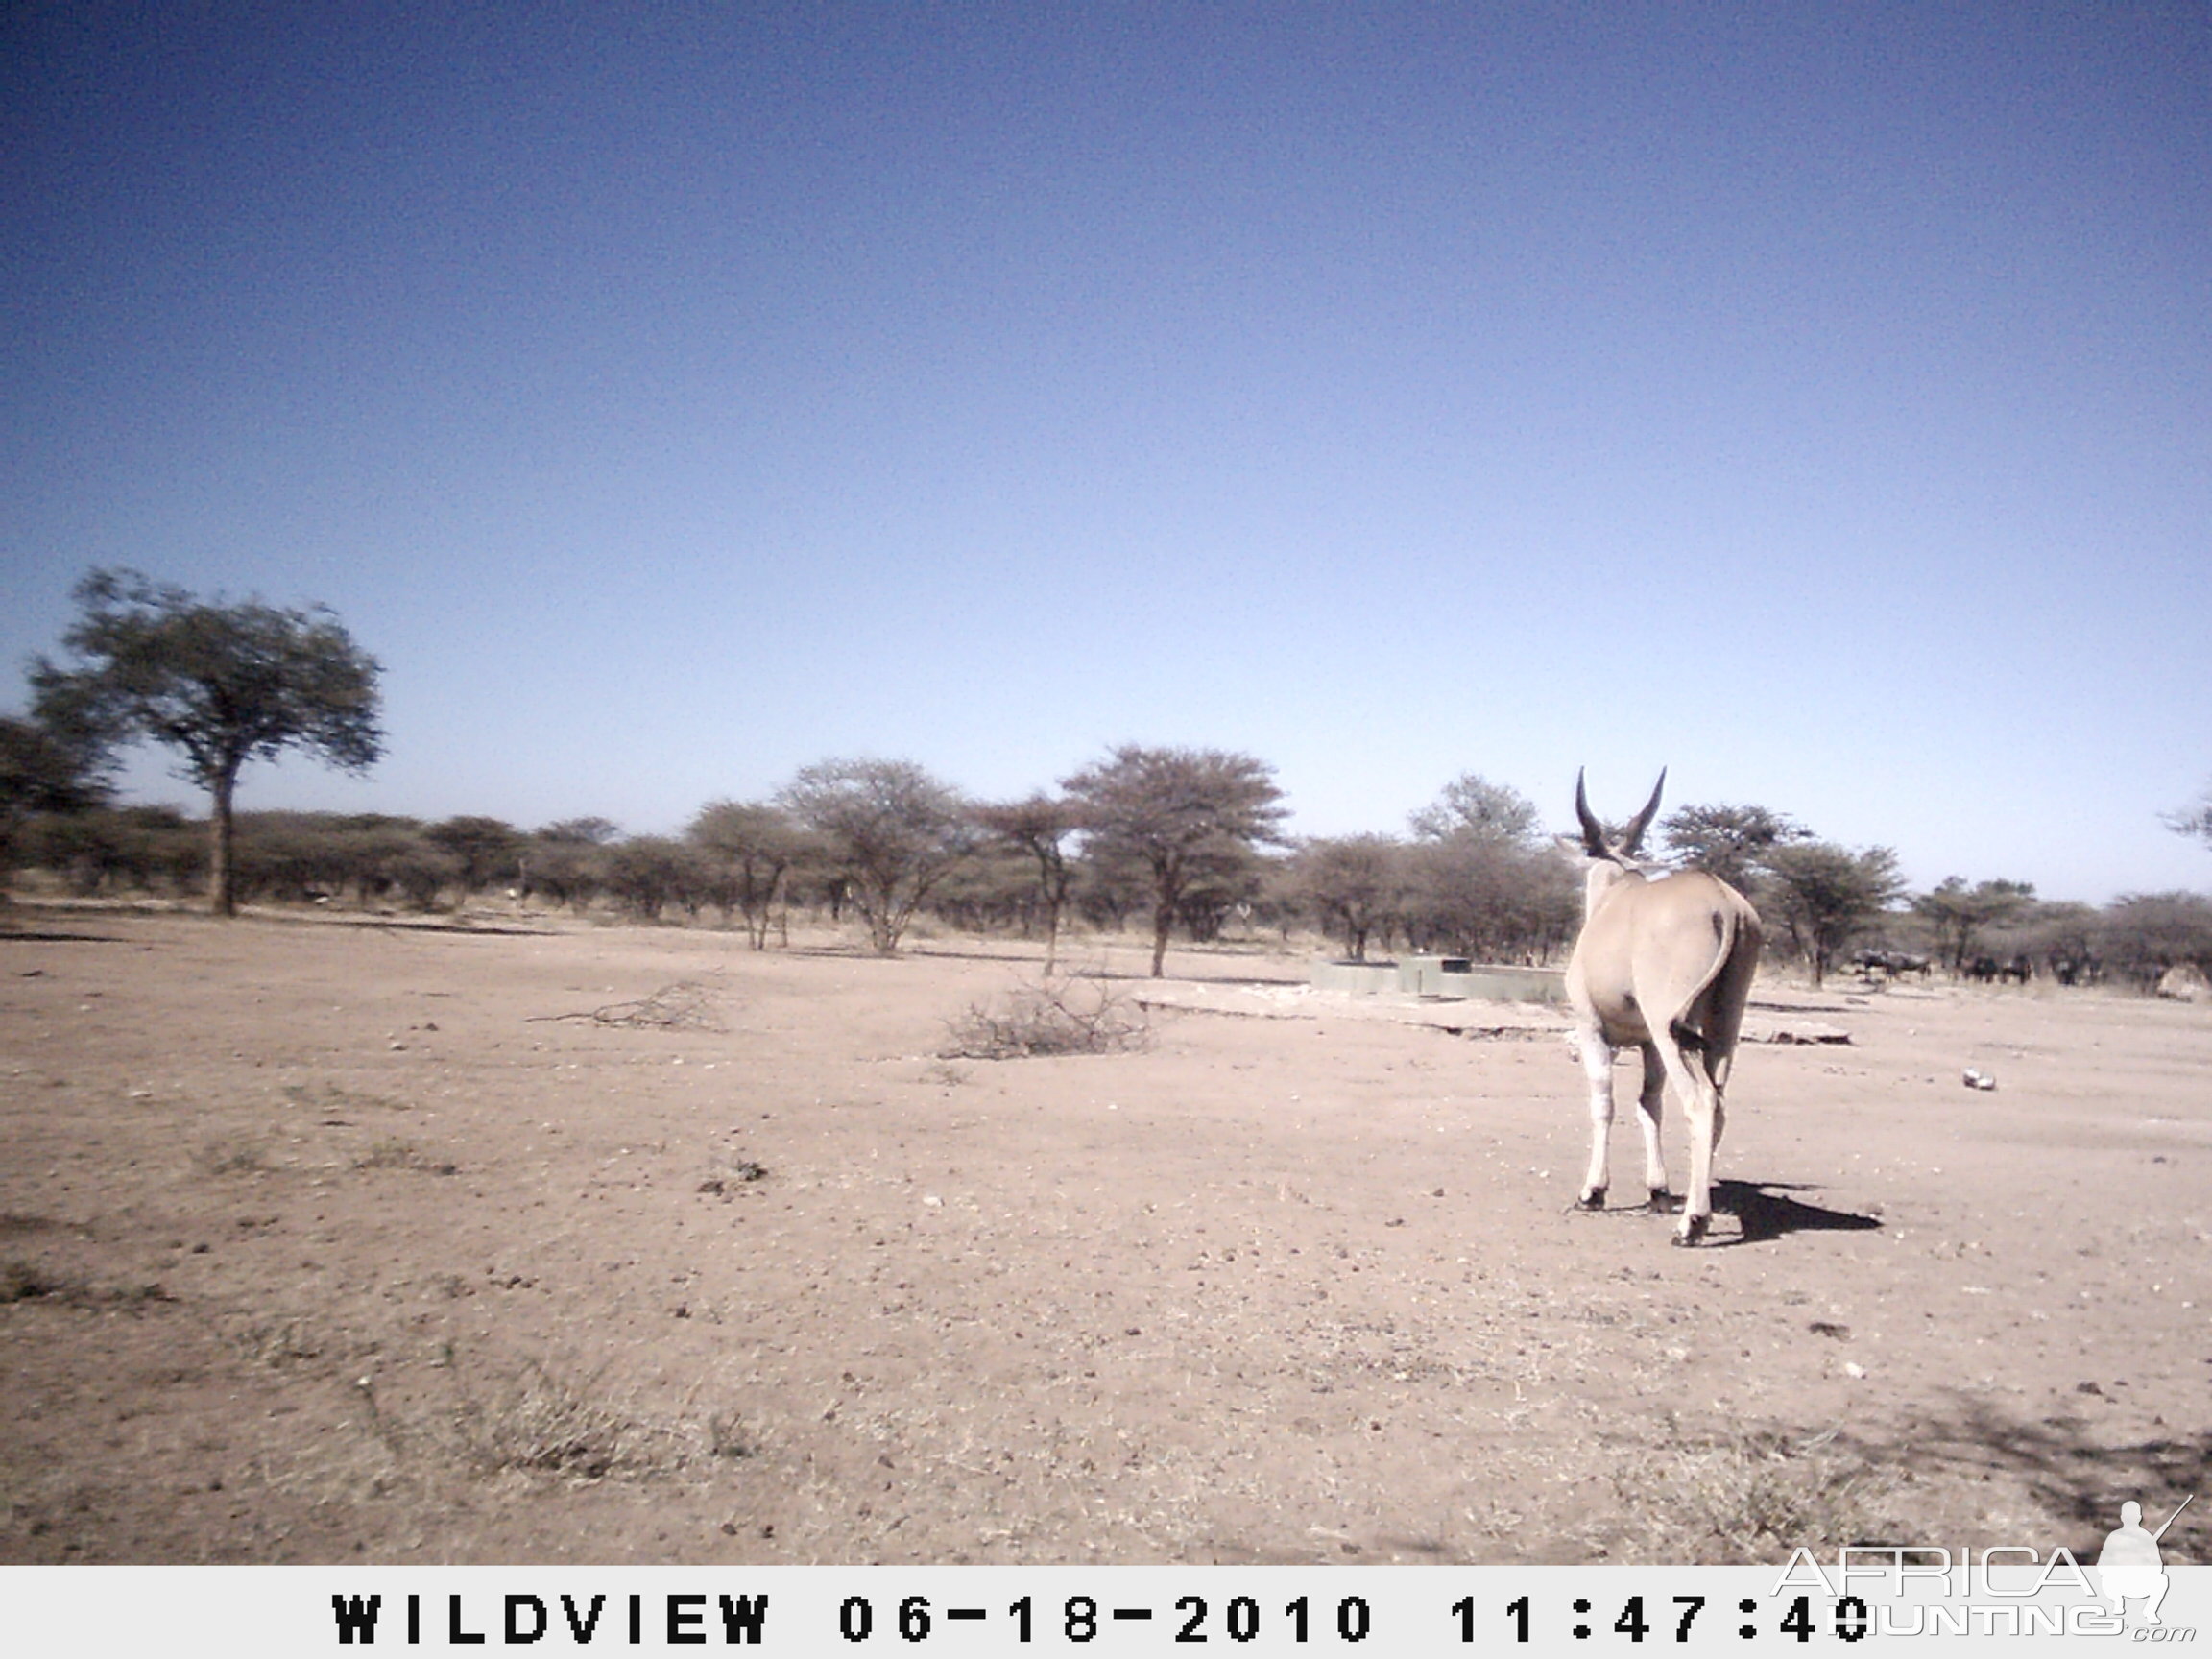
x=1765, y=1212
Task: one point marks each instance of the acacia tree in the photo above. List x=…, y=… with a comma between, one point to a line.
x=1175, y=813
x=566, y=860
x=2195, y=821
x=752, y=846
x=1729, y=841
x=1471, y=804
x=1352, y=883
x=1480, y=881
x=483, y=850
x=41, y=770
x=2143, y=934
x=1038, y=826
x=891, y=830
x=646, y=873
x=1956, y=913
x=1826, y=895
x=220, y=683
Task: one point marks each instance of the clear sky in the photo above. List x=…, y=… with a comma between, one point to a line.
x=1814, y=400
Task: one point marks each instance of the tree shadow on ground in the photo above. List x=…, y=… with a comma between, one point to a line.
x=9, y=936
x=1011, y=957
x=1765, y=1212
x=495, y=930
x=2075, y=1476
x=1141, y=976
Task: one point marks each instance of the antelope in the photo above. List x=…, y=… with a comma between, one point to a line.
x=1664, y=963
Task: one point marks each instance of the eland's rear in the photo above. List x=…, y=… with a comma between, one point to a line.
x=1664, y=963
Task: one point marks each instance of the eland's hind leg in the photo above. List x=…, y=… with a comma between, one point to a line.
x=1700, y=1111
x=1650, y=1108
x=1597, y=1055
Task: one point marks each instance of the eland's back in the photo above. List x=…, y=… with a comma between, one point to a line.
x=1664, y=964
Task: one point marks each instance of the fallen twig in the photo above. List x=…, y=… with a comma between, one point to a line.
x=687, y=1003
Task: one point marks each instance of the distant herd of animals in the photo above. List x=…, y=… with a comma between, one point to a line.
x=2018, y=969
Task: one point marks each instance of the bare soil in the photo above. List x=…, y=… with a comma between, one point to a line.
x=533, y=1241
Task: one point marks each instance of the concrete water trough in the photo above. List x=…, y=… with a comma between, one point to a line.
x=1442, y=978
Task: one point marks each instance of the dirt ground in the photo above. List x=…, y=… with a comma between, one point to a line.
x=323, y=1240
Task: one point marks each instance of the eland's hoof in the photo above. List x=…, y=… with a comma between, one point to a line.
x=1692, y=1229
x=1592, y=1200
x=1662, y=1202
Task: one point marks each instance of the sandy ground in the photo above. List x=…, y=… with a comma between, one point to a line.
x=326, y=1242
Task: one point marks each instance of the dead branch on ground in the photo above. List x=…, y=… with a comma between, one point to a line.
x=688, y=1004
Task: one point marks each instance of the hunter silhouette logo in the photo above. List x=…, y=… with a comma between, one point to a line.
x=2129, y=1566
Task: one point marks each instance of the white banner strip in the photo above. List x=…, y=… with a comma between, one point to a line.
x=1102, y=1610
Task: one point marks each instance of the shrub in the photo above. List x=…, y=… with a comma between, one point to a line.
x=1051, y=1016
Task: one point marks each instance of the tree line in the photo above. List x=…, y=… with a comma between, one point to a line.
x=1183, y=839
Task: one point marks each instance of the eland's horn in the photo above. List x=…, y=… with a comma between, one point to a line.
x=1593, y=832
x=1632, y=836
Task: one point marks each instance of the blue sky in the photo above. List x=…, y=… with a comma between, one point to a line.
x=1815, y=400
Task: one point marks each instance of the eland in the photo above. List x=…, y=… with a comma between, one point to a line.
x=1664, y=962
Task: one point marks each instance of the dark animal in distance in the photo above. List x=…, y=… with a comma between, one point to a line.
x=1889, y=963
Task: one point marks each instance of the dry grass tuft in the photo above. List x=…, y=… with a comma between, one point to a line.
x=235, y=1154
x=26, y=1282
x=726, y=1436
x=544, y=1422
x=1057, y=1016
x=336, y=1096
x=279, y=1342
x=1752, y=1498
x=733, y=1172
x=22, y=1281
x=392, y=1152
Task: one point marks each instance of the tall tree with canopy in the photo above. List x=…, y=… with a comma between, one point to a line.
x=221, y=683
x=1827, y=895
x=1037, y=825
x=1174, y=812
x=1956, y=913
x=891, y=830
x=752, y=845
x=1730, y=841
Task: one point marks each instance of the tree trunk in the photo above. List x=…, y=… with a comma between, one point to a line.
x=222, y=880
